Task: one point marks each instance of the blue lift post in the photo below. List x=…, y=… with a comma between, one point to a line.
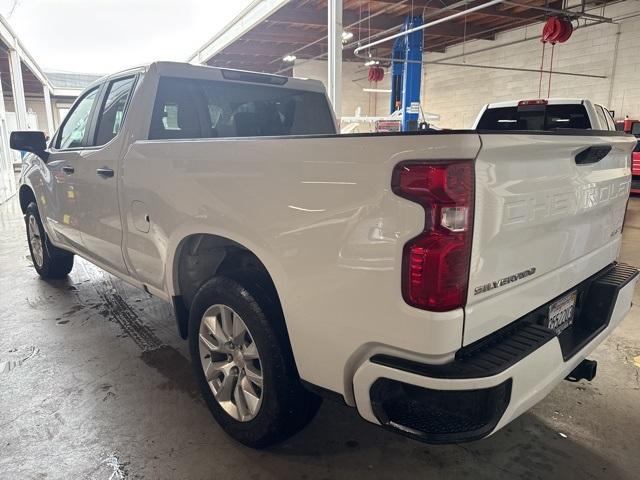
x=406, y=74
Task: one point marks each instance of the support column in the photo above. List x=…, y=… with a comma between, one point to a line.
x=412, y=76
x=7, y=178
x=2, y=107
x=48, y=110
x=334, y=63
x=19, y=101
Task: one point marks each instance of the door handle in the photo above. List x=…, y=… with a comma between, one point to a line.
x=104, y=172
x=592, y=154
x=68, y=169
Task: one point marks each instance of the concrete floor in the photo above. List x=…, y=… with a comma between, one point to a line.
x=95, y=383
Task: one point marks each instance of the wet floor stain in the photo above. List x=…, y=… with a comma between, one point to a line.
x=15, y=358
x=115, y=308
x=172, y=365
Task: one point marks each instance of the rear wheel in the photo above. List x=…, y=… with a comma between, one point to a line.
x=49, y=261
x=244, y=365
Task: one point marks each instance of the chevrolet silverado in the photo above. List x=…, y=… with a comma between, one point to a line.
x=440, y=282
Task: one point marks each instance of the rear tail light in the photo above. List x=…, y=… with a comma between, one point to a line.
x=435, y=266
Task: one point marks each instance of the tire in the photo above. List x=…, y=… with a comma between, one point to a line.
x=49, y=261
x=284, y=407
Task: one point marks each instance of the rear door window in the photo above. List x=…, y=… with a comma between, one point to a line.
x=552, y=117
x=113, y=109
x=215, y=109
x=175, y=112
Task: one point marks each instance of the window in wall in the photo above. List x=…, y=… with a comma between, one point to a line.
x=75, y=126
x=113, y=109
x=62, y=113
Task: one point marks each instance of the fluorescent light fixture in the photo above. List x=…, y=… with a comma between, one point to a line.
x=346, y=36
x=290, y=58
x=370, y=63
x=377, y=90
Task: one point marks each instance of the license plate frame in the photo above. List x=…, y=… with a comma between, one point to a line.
x=562, y=312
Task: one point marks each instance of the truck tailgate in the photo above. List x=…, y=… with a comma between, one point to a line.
x=548, y=214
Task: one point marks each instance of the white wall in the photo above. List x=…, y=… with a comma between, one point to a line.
x=36, y=105
x=458, y=93
x=354, y=79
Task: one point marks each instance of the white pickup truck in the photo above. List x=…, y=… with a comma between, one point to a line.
x=441, y=283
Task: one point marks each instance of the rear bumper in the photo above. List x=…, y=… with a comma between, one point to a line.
x=493, y=382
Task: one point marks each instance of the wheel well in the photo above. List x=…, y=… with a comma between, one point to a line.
x=26, y=196
x=200, y=257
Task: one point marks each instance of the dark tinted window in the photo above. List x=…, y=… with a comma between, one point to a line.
x=550, y=118
x=211, y=109
x=635, y=128
x=113, y=109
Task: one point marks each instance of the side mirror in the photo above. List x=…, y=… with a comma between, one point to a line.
x=30, y=141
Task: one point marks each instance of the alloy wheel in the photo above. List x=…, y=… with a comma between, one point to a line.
x=35, y=240
x=231, y=362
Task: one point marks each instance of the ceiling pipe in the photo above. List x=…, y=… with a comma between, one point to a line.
x=354, y=43
x=351, y=25
x=453, y=6
x=546, y=9
x=427, y=25
x=567, y=12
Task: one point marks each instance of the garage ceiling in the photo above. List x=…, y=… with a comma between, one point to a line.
x=32, y=86
x=300, y=28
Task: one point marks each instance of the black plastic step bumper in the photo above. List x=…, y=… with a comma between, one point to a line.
x=447, y=416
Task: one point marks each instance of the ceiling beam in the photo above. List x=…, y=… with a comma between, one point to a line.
x=311, y=16
x=273, y=50
x=254, y=67
x=500, y=11
x=279, y=34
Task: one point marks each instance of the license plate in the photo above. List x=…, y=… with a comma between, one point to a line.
x=561, y=313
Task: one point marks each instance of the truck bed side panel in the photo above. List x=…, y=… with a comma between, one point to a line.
x=319, y=213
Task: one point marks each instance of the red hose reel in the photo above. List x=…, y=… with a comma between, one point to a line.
x=376, y=74
x=557, y=30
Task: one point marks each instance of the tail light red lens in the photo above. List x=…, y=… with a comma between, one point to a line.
x=435, y=267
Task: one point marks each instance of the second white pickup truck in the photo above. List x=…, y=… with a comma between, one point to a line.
x=441, y=283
